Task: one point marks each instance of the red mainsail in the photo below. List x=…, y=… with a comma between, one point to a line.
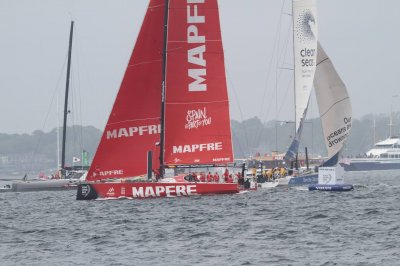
x=133, y=127
x=197, y=124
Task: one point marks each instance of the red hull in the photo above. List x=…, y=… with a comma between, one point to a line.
x=152, y=189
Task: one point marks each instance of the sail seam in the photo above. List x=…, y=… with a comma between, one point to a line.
x=142, y=63
x=198, y=102
x=133, y=120
x=334, y=105
x=218, y=40
x=323, y=61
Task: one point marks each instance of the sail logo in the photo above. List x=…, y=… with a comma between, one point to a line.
x=126, y=132
x=341, y=134
x=337, y=136
x=108, y=173
x=197, y=118
x=216, y=146
x=306, y=26
x=219, y=160
x=197, y=47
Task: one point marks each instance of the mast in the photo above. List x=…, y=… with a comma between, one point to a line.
x=164, y=76
x=294, y=73
x=66, y=99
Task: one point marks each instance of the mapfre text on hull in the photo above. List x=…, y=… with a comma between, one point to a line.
x=141, y=190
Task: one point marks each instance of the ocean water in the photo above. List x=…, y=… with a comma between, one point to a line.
x=283, y=226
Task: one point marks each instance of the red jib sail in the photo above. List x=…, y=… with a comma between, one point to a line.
x=133, y=127
x=197, y=124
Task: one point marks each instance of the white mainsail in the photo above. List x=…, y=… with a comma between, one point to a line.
x=334, y=106
x=305, y=38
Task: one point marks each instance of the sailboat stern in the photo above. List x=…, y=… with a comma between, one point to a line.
x=86, y=192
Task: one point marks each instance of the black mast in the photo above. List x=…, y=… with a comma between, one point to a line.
x=66, y=100
x=164, y=66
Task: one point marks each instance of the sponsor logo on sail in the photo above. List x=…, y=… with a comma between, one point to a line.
x=197, y=118
x=177, y=160
x=197, y=46
x=339, y=135
x=306, y=26
x=126, y=132
x=217, y=160
x=215, y=146
x=108, y=172
x=306, y=32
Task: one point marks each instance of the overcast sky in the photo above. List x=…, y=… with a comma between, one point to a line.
x=362, y=38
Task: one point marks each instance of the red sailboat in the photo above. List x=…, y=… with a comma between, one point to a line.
x=172, y=108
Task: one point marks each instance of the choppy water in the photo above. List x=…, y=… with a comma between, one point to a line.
x=267, y=227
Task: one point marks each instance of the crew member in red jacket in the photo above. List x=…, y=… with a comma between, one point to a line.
x=209, y=177
x=216, y=177
x=226, y=175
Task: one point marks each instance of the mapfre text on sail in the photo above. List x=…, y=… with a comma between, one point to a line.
x=196, y=47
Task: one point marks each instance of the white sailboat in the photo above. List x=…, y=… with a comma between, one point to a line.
x=335, y=114
x=305, y=46
x=172, y=109
x=314, y=67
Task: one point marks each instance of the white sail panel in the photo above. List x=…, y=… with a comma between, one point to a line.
x=305, y=37
x=333, y=103
x=305, y=52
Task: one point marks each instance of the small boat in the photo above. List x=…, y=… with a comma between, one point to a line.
x=171, y=111
x=385, y=155
x=73, y=176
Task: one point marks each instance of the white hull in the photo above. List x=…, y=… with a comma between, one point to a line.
x=43, y=185
x=268, y=185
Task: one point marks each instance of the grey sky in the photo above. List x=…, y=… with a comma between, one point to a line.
x=362, y=37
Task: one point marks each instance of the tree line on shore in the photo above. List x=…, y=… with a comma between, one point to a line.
x=250, y=137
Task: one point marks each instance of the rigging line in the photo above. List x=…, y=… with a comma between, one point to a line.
x=80, y=117
x=85, y=73
x=47, y=114
x=288, y=87
x=238, y=104
x=281, y=72
x=275, y=48
x=72, y=113
x=277, y=33
x=238, y=143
